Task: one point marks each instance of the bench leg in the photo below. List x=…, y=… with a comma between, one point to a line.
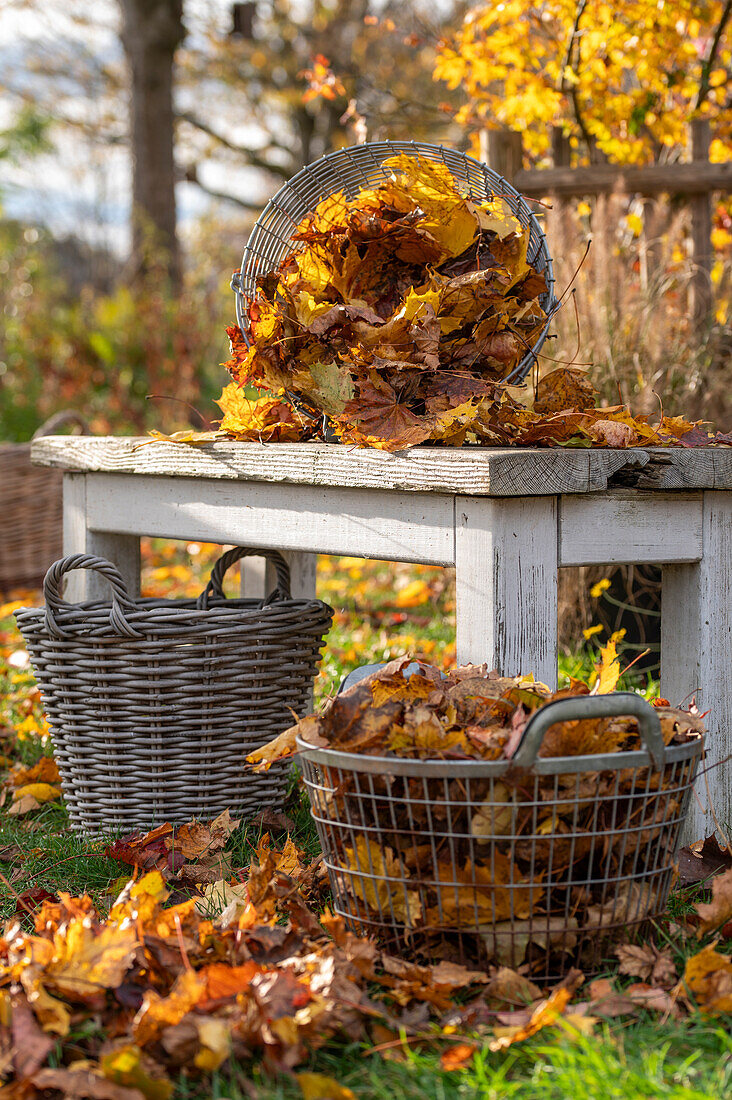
x=258, y=578
x=122, y=550
x=507, y=577
x=696, y=642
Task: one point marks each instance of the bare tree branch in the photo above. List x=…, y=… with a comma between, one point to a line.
x=190, y=175
x=712, y=55
x=252, y=156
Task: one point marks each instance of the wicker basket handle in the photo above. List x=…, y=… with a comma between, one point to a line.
x=121, y=601
x=68, y=416
x=214, y=588
x=618, y=704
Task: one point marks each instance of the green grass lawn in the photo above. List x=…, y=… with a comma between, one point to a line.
x=382, y=611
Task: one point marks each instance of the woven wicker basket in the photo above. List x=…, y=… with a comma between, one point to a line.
x=154, y=704
x=31, y=504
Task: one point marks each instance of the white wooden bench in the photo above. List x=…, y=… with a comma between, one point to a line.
x=507, y=519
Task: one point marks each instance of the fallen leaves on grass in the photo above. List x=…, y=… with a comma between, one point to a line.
x=192, y=852
x=156, y=987
x=647, y=962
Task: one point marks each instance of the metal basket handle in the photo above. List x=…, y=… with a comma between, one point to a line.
x=618, y=704
x=214, y=588
x=121, y=600
x=59, y=420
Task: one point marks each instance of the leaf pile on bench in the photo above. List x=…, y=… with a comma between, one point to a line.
x=595, y=825
x=398, y=316
x=109, y=1007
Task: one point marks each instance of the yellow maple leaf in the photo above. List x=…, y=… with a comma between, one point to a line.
x=608, y=670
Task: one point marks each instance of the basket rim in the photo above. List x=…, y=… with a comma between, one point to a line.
x=478, y=769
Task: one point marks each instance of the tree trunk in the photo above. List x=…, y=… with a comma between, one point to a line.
x=152, y=31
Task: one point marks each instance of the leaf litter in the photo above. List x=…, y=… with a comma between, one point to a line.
x=167, y=987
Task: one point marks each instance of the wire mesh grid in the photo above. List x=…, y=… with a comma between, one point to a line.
x=361, y=166
x=463, y=860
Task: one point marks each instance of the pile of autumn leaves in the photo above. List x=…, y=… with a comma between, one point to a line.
x=111, y=1007
x=399, y=317
x=531, y=868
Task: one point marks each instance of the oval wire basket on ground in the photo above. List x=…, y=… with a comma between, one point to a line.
x=514, y=892
x=359, y=166
x=154, y=704
x=31, y=504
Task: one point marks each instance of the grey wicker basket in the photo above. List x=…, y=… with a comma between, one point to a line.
x=616, y=823
x=31, y=504
x=154, y=704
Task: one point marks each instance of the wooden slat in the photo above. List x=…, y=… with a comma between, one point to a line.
x=473, y=471
x=506, y=582
x=696, y=643
x=393, y=526
x=121, y=549
x=636, y=527
x=652, y=179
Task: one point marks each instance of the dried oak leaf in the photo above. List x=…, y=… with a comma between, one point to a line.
x=196, y=839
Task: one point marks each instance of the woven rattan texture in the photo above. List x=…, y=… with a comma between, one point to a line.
x=154, y=724
x=359, y=166
x=31, y=507
x=614, y=865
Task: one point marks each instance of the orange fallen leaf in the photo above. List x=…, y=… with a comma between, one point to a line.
x=458, y=1057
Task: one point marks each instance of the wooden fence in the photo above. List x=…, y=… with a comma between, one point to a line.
x=695, y=182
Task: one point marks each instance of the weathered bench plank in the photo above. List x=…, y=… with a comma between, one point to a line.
x=473, y=471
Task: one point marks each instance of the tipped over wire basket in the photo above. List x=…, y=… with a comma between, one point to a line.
x=154, y=704
x=361, y=166
x=579, y=857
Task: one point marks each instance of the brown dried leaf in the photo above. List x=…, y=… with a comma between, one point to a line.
x=718, y=911
x=647, y=962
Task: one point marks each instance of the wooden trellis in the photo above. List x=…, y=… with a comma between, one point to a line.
x=695, y=181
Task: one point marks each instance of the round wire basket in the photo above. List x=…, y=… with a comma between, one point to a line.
x=361, y=166
x=408, y=865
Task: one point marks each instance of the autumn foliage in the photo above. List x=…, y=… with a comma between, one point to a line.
x=623, y=79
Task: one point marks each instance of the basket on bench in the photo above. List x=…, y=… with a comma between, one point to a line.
x=154, y=704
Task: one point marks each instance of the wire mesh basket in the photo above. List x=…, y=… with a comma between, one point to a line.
x=31, y=504
x=360, y=166
x=544, y=862
x=154, y=704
